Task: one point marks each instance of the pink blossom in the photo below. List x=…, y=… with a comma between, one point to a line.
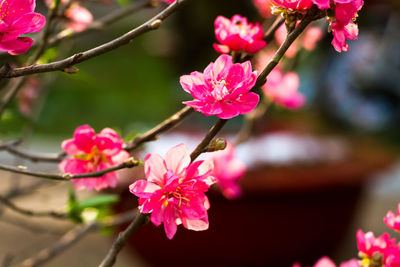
x=79, y=17
x=238, y=35
x=228, y=170
x=368, y=245
x=174, y=190
x=294, y=4
x=27, y=95
x=392, y=220
x=263, y=7
x=283, y=89
x=343, y=27
x=17, y=17
x=223, y=88
x=93, y=152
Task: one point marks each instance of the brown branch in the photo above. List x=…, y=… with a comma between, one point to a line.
x=123, y=236
x=66, y=64
x=31, y=156
x=201, y=147
x=26, y=212
x=74, y=235
x=166, y=125
x=129, y=163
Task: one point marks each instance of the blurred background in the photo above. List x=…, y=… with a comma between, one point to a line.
x=315, y=175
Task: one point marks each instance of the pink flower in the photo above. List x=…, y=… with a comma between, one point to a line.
x=223, y=88
x=238, y=35
x=283, y=89
x=93, y=152
x=392, y=220
x=263, y=7
x=368, y=245
x=79, y=17
x=17, y=18
x=294, y=4
x=228, y=170
x=174, y=190
x=343, y=27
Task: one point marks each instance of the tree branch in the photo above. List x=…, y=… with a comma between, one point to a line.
x=119, y=243
x=99, y=24
x=207, y=139
x=15, y=208
x=125, y=39
x=129, y=163
x=311, y=15
x=166, y=125
x=269, y=34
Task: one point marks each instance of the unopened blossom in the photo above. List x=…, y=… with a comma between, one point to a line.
x=223, y=89
x=91, y=152
x=79, y=17
x=17, y=17
x=174, y=190
x=237, y=34
x=263, y=7
x=168, y=1
x=372, y=247
x=393, y=220
x=228, y=170
x=282, y=89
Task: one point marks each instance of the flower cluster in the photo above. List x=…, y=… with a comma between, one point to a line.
x=238, y=35
x=93, y=152
x=223, y=89
x=17, y=17
x=341, y=23
x=174, y=190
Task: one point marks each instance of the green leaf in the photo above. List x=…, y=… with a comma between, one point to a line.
x=98, y=201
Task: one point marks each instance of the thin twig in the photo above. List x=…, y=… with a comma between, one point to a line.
x=119, y=243
x=99, y=24
x=129, y=163
x=33, y=157
x=74, y=235
x=23, y=211
x=164, y=126
x=207, y=139
x=66, y=64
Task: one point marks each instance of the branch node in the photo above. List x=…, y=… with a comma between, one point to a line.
x=156, y=24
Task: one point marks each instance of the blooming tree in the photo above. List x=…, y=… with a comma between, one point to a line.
x=174, y=191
